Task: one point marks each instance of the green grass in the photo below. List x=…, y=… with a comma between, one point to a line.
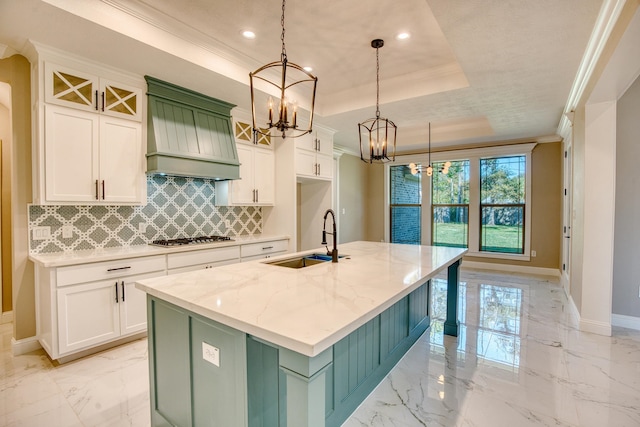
x=496, y=238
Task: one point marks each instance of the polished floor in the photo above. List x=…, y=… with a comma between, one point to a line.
x=519, y=361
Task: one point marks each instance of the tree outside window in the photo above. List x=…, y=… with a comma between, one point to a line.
x=450, y=205
x=502, y=204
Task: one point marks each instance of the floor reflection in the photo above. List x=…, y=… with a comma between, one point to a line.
x=519, y=360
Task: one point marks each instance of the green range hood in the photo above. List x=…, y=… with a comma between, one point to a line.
x=189, y=134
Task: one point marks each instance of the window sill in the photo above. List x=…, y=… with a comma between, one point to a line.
x=495, y=255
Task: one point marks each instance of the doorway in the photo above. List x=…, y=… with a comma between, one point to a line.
x=6, y=305
x=567, y=209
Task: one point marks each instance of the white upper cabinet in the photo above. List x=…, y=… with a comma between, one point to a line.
x=256, y=186
x=84, y=91
x=314, y=155
x=90, y=146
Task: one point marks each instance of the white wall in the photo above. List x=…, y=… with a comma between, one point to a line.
x=626, y=265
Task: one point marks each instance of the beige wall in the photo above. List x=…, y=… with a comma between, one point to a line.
x=577, y=224
x=16, y=72
x=375, y=203
x=5, y=207
x=361, y=198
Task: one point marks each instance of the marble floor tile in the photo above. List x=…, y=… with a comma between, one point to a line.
x=520, y=360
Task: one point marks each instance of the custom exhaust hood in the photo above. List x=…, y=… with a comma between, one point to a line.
x=189, y=134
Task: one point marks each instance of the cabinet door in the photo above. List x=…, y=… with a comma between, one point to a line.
x=325, y=142
x=242, y=190
x=264, y=176
x=132, y=303
x=71, y=88
x=120, y=100
x=71, y=154
x=121, y=170
x=325, y=166
x=306, y=163
x=87, y=315
x=306, y=142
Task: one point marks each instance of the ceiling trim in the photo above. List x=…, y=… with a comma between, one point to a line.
x=605, y=24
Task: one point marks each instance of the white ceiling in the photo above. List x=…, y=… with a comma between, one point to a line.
x=479, y=70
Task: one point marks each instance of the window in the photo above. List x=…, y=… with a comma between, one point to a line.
x=483, y=203
x=502, y=203
x=450, y=205
x=405, y=206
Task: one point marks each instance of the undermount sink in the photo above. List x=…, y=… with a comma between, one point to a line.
x=303, y=261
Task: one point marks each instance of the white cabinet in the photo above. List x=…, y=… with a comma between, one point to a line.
x=202, y=259
x=91, y=158
x=256, y=186
x=261, y=250
x=97, y=312
x=314, y=155
x=90, y=140
x=83, y=306
x=86, y=91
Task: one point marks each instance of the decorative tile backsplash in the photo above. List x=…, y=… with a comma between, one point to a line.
x=176, y=207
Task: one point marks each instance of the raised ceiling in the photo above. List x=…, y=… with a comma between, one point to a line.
x=480, y=71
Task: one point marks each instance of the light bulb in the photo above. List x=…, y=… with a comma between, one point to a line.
x=412, y=165
x=429, y=171
x=447, y=164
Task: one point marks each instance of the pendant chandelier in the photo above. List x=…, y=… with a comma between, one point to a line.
x=377, y=135
x=291, y=80
x=416, y=169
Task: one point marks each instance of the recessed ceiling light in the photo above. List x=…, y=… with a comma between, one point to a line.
x=403, y=36
x=248, y=34
x=307, y=69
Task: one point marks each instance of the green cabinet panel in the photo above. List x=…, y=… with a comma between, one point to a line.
x=218, y=391
x=187, y=389
x=394, y=327
x=419, y=305
x=263, y=384
x=170, y=371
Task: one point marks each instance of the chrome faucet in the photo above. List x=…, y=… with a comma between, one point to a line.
x=334, y=252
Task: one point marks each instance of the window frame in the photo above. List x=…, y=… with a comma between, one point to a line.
x=473, y=155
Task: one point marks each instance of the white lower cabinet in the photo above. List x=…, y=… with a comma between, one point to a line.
x=201, y=259
x=87, y=305
x=254, y=251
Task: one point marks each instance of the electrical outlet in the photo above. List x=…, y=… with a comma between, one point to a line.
x=142, y=227
x=533, y=254
x=227, y=223
x=67, y=231
x=211, y=354
x=41, y=233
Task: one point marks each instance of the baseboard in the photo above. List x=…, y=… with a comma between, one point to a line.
x=595, y=327
x=25, y=345
x=512, y=268
x=623, y=321
x=6, y=317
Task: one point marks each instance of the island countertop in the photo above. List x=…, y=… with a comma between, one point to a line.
x=306, y=310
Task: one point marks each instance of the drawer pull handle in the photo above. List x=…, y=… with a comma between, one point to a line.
x=117, y=292
x=119, y=268
x=267, y=247
x=122, y=284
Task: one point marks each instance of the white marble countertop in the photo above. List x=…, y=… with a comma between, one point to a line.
x=309, y=309
x=61, y=259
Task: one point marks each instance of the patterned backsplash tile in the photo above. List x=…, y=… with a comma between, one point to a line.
x=176, y=207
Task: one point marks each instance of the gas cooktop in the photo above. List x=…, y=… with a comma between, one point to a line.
x=191, y=240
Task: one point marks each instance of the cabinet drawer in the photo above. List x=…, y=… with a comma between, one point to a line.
x=205, y=256
x=109, y=269
x=253, y=249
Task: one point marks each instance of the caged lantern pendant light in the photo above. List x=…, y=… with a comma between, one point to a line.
x=416, y=169
x=377, y=135
x=291, y=80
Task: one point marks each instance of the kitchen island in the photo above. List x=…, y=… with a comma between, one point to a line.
x=257, y=344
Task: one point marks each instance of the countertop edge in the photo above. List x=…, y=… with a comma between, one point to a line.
x=62, y=259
